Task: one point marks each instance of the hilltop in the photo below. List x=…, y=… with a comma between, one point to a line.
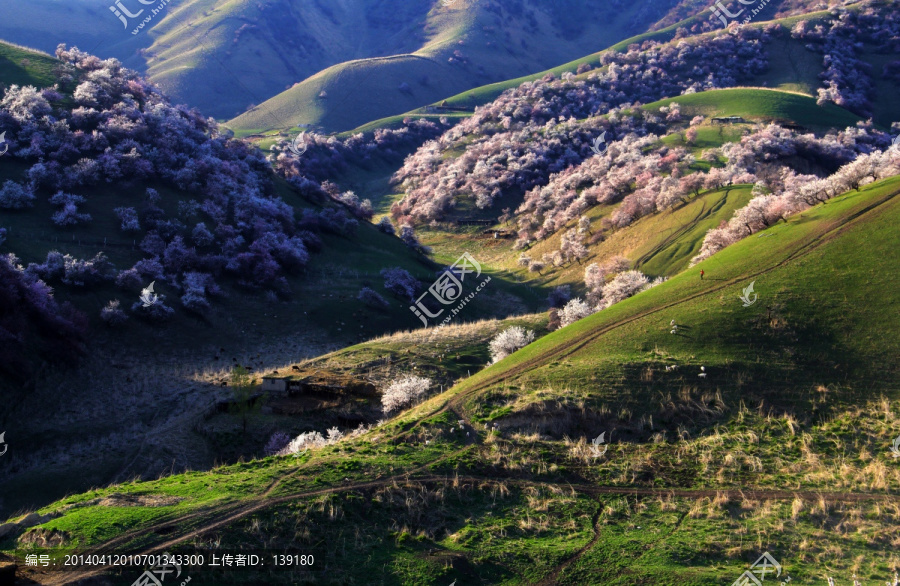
x=463, y=45
x=795, y=69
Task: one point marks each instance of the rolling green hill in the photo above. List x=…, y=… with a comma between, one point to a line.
x=465, y=45
x=786, y=438
x=792, y=68
x=763, y=105
x=22, y=66
x=659, y=244
x=163, y=374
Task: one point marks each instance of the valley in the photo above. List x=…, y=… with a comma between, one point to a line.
x=472, y=292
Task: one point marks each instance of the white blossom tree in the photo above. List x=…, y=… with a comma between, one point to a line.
x=508, y=341
x=573, y=311
x=404, y=392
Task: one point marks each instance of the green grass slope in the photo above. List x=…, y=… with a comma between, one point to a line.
x=22, y=66
x=823, y=278
x=658, y=244
x=785, y=440
x=762, y=105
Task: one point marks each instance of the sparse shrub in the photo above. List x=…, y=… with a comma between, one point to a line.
x=553, y=323
x=54, y=267
x=150, y=268
x=278, y=441
x=404, y=392
x=73, y=271
x=400, y=282
x=595, y=275
x=372, y=298
x=52, y=332
x=408, y=236
x=690, y=135
x=201, y=235
x=304, y=441
x=158, y=312
x=68, y=215
x=623, y=286
x=308, y=440
x=385, y=225
x=112, y=315
x=536, y=266
x=508, y=341
x=337, y=222
x=129, y=219
x=196, y=286
x=559, y=296
x=14, y=196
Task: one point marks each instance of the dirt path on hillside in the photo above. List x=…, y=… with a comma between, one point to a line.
x=224, y=516
x=576, y=343
x=221, y=516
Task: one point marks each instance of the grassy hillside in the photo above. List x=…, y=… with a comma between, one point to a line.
x=660, y=244
x=778, y=9
x=785, y=440
x=466, y=44
x=145, y=380
x=762, y=105
x=797, y=268
x=22, y=66
x=792, y=68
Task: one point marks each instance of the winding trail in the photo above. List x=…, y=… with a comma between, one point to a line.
x=221, y=515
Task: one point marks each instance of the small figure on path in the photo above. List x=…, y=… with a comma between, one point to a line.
x=701, y=274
